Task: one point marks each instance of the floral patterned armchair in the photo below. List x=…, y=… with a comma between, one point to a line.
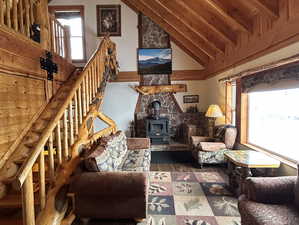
x=271, y=200
x=208, y=150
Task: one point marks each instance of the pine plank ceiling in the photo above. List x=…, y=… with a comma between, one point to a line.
x=211, y=30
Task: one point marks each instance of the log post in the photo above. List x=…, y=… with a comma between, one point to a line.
x=28, y=200
x=43, y=21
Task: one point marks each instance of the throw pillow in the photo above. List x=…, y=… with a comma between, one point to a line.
x=99, y=160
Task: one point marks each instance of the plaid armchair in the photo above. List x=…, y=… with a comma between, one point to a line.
x=208, y=150
x=271, y=200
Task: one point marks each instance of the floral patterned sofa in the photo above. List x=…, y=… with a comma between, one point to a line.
x=271, y=200
x=113, y=180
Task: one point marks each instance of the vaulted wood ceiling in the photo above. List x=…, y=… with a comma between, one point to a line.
x=211, y=31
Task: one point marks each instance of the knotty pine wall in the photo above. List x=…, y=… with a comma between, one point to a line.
x=24, y=88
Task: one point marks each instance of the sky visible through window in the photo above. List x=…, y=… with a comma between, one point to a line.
x=76, y=36
x=274, y=121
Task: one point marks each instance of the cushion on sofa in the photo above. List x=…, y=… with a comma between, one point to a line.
x=297, y=190
x=253, y=213
x=108, y=155
x=136, y=160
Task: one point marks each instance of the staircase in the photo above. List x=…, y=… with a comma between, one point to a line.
x=48, y=154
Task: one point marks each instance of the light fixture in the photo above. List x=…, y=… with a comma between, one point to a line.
x=213, y=113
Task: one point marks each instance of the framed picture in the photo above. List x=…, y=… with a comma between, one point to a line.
x=191, y=98
x=108, y=20
x=154, y=60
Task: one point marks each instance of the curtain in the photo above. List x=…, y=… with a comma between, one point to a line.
x=271, y=77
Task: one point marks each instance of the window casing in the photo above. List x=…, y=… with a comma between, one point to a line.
x=231, y=97
x=73, y=16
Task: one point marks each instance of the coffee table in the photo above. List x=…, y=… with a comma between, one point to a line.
x=240, y=163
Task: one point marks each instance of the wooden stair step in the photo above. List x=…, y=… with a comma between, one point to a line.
x=14, y=200
x=7, y=221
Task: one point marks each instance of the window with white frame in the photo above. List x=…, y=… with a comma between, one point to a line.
x=73, y=16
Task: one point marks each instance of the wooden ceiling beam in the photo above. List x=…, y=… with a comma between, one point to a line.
x=195, y=25
x=190, y=48
x=194, y=8
x=228, y=17
x=266, y=8
x=175, y=22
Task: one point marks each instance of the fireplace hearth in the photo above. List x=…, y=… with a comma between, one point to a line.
x=158, y=130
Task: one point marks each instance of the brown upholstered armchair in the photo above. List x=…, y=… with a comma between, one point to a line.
x=271, y=200
x=209, y=150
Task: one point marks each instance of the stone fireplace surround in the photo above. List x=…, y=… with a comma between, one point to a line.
x=152, y=36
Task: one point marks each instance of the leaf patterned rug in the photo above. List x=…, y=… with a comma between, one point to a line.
x=192, y=198
x=186, y=198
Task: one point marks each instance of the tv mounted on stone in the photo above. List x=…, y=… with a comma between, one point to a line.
x=154, y=60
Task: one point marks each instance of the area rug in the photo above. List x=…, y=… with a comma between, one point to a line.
x=193, y=198
x=171, y=157
x=186, y=198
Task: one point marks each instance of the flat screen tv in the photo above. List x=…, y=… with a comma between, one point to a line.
x=154, y=60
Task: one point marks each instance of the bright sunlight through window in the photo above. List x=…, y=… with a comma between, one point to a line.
x=273, y=121
x=76, y=37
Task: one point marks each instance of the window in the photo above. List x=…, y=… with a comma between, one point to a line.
x=73, y=16
x=231, y=96
x=273, y=121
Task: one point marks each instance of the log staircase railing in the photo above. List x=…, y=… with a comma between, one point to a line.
x=20, y=16
x=69, y=123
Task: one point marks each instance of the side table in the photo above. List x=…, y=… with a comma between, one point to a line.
x=240, y=163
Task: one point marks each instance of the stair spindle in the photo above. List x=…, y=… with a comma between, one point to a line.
x=80, y=104
x=58, y=143
x=42, y=180
x=76, y=114
x=15, y=15
x=28, y=200
x=65, y=137
x=71, y=121
x=8, y=20
x=84, y=97
x=51, y=158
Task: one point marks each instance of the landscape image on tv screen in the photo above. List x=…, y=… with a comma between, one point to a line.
x=154, y=61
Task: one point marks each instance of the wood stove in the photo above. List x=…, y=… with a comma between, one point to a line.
x=158, y=130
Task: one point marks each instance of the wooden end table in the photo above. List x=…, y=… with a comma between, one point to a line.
x=240, y=163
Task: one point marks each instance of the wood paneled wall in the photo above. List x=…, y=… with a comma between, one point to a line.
x=24, y=88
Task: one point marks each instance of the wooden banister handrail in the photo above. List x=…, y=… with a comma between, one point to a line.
x=19, y=16
x=39, y=147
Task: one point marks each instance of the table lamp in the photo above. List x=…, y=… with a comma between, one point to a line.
x=213, y=113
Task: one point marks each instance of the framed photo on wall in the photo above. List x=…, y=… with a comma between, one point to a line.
x=108, y=20
x=154, y=60
x=191, y=98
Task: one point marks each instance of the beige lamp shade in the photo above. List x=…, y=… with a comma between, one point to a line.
x=214, y=111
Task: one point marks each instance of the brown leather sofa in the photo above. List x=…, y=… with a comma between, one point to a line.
x=113, y=180
x=269, y=201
